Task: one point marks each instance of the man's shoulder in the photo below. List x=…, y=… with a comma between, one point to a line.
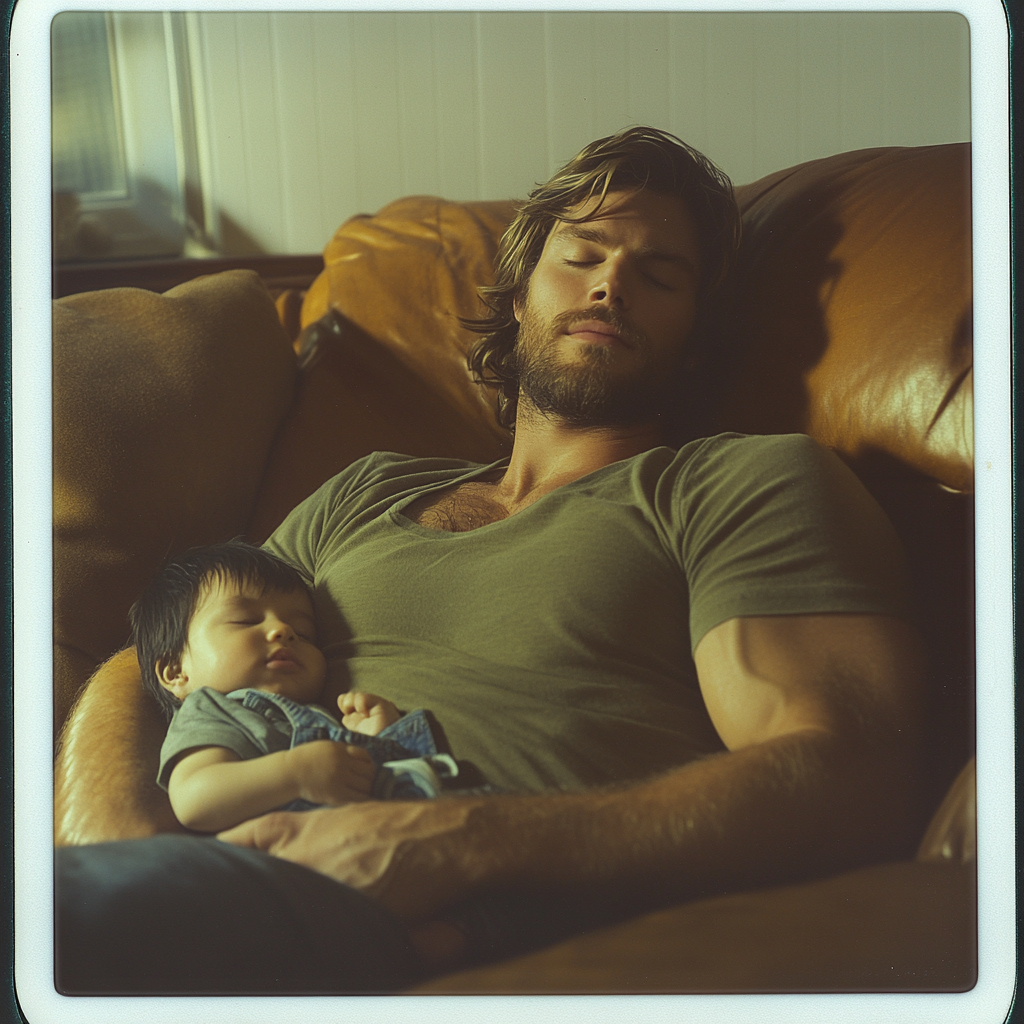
x=755, y=457
x=721, y=470
x=751, y=446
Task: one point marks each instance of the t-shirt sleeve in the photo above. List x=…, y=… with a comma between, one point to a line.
x=209, y=719
x=779, y=525
x=297, y=540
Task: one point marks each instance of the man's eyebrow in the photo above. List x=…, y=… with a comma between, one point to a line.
x=593, y=234
x=588, y=234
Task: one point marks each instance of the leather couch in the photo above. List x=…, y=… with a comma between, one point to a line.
x=209, y=411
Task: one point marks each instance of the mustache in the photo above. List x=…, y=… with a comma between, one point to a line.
x=626, y=330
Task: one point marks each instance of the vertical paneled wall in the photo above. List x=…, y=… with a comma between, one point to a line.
x=313, y=117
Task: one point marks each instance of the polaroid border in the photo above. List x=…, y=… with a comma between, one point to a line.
x=990, y=1000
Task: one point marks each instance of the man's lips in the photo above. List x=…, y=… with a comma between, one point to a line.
x=597, y=333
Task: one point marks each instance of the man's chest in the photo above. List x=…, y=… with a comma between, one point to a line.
x=537, y=587
x=466, y=506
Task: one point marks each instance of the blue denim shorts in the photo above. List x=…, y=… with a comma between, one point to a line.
x=409, y=764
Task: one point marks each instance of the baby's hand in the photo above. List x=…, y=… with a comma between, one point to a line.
x=366, y=712
x=331, y=773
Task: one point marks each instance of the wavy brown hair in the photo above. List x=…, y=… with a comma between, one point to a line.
x=633, y=159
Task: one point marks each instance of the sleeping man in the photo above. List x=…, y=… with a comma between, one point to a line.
x=693, y=668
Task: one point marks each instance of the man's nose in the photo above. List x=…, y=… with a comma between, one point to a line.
x=610, y=287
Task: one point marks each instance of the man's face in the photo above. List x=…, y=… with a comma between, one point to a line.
x=611, y=303
x=240, y=637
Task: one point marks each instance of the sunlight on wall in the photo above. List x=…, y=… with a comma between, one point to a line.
x=311, y=118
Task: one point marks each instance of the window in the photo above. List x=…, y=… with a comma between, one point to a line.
x=125, y=165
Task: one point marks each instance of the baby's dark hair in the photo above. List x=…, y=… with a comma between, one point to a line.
x=160, y=618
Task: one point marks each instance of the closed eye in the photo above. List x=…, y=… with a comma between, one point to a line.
x=664, y=285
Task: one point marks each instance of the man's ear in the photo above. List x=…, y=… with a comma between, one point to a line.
x=172, y=677
x=518, y=303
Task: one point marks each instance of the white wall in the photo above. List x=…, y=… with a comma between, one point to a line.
x=313, y=117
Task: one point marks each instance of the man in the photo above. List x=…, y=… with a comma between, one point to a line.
x=694, y=670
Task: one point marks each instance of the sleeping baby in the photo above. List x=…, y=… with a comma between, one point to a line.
x=226, y=641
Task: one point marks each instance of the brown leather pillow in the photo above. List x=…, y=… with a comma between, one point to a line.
x=388, y=370
x=854, y=318
x=164, y=408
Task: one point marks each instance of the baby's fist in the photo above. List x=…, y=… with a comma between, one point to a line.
x=366, y=713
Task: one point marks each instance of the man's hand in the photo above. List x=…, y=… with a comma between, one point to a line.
x=415, y=858
x=331, y=773
x=366, y=712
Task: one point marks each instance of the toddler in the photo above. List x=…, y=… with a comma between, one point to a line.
x=226, y=641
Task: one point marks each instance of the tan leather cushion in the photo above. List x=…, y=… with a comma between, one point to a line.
x=393, y=376
x=405, y=275
x=855, y=307
x=164, y=407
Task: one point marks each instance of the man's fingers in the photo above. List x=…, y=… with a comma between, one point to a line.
x=263, y=833
x=362, y=756
x=240, y=835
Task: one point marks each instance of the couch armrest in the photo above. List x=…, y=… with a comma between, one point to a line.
x=105, y=777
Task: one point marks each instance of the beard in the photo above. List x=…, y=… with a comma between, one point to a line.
x=591, y=390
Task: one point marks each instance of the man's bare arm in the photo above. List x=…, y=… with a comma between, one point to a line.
x=105, y=776
x=820, y=715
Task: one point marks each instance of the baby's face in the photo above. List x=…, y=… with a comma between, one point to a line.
x=239, y=638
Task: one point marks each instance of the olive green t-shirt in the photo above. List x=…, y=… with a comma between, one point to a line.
x=555, y=646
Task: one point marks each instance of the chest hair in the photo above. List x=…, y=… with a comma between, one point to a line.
x=458, y=509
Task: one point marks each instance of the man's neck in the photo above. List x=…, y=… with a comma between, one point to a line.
x=547, y=453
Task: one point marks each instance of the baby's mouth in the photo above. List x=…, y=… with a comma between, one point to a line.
x=282, y=657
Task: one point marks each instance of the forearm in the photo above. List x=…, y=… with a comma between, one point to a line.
x=786, y=809
x=105, y=775
x=217, y=796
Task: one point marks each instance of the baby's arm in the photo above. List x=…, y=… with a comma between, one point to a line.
x=366, y=712
x=212, y=789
